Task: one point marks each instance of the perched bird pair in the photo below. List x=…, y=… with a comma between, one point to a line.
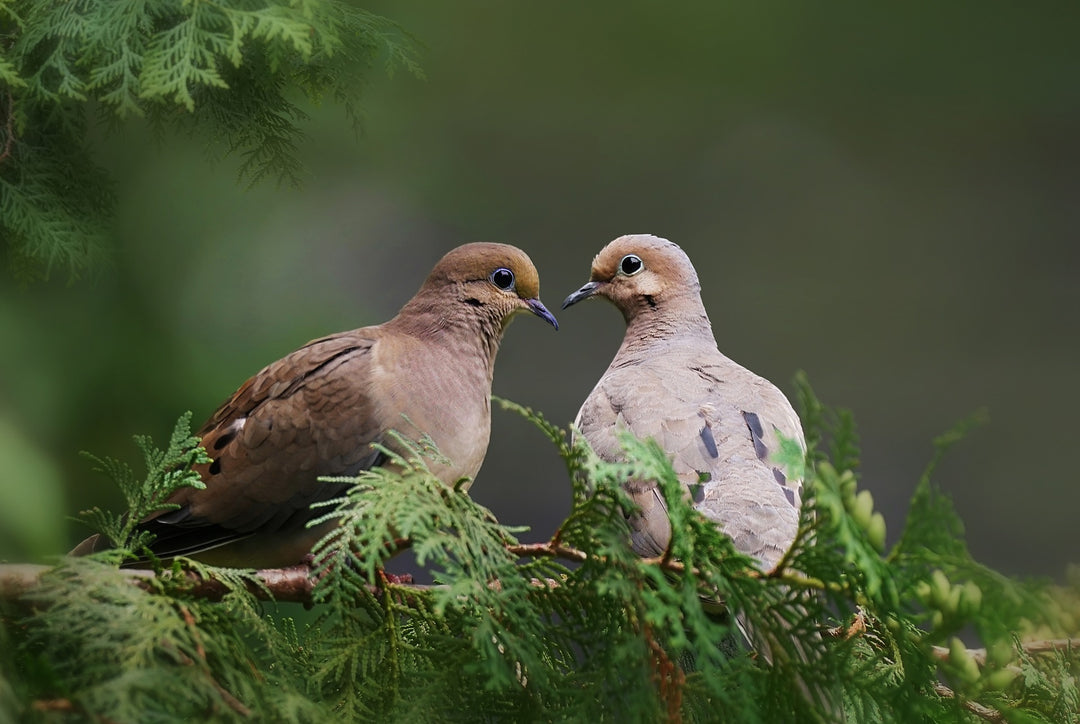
x=317, y=411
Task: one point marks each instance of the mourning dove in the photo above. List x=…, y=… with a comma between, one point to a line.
x=317, y=412
x=717, y=420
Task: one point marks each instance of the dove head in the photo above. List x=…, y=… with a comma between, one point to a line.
x=641, y=274
x=486, y=282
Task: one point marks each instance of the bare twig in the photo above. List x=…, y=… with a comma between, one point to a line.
x=669, y=564
x=667, y=675
x=189, y=621
x=292, y=585
x=1047, y=645
x=551, y=549
x=554, y=549
x=286, y=585
x=231, y=701
x=801, y=535
x=226, y=696
x=980, y=710
x=295, y=584
x=18, y=579
x=1033, y=648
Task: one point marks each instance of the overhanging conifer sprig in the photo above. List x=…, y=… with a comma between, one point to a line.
x=167, y=471
x=231, y=72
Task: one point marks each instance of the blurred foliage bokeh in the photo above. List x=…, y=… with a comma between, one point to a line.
x=887, y=197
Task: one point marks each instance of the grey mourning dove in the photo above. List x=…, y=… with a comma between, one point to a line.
x=719, y=422
x=317, y=411
x=716, y=419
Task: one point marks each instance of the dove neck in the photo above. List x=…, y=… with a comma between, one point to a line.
x=459, y=328
x=682, y=319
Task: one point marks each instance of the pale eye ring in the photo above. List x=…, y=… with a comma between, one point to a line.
x=630, y=265
x=503, y=278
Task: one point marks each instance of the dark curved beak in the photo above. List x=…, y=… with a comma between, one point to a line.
x=584, y=293
x=537, y=307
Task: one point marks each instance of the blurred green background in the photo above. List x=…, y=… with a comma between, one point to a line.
x=887, y=197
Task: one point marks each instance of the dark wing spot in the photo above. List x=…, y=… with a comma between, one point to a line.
x=782, y=480
x=709, y=440
x=473, y=301
x=225, y=438
x=756, y=433
x=215, y=467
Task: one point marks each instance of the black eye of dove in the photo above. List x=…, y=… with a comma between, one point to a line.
x=503, y=278
x=631, y=264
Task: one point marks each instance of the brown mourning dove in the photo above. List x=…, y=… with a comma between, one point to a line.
x=717, y=420
x=317, y=411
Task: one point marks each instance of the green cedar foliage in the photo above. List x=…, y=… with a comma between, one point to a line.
x=576, y=628
x=166, y=471
x=229, y=71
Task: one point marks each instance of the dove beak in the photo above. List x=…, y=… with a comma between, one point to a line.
x=537, y=307
x=584, y=293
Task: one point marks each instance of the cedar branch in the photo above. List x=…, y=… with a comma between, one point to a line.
x=980, y=710
x=1032, y=648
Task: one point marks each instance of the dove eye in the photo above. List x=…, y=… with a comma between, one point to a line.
x=631, y=264
x=503, y=278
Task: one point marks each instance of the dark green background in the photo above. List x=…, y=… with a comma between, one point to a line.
x=885, y=197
